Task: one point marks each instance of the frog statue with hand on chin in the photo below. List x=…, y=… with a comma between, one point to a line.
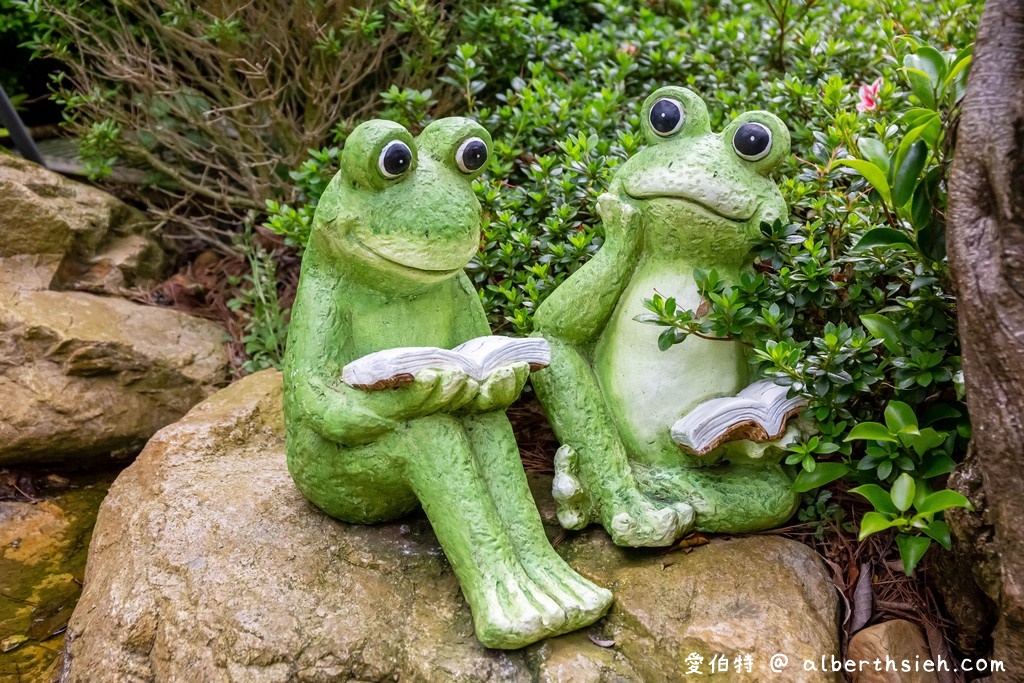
x=384, y=269
x=693, y=198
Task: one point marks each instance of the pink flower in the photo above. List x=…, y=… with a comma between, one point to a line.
x=869, y=96
x=628, y=48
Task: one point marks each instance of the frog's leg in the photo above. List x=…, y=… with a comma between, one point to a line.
x=727, y=498
x=574, y=404
x=510, y=609
x=495, y=447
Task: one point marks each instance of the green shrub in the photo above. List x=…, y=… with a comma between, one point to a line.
x=218, y=101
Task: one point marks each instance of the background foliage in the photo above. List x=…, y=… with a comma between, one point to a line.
x=850, y=301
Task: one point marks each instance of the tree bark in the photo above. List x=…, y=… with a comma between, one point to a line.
x=986, y=254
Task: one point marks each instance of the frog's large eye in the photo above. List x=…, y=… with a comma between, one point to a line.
x=666, y=116
x=395, y=159
x=752, y=141
x=471, y=155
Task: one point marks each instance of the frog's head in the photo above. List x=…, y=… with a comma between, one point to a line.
x=401, y=212
x=703, y=195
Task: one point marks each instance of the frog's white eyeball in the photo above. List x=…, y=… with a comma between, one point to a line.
x=471, y=155
x=752, y=141
x=667, y=116
x=395, y=159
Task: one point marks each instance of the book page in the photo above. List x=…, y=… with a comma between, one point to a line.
x=761, y=407
x=477, y=358
x=376, y=370
x=493, y=352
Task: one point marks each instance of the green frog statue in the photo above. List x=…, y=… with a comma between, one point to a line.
x=692, y=198
x=383, y=270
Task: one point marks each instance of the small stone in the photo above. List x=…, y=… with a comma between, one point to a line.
x=897, y=641
x=11, y=642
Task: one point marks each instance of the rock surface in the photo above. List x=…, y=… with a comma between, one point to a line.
x=100, y=243
x=43, y=541
x=206, y=561
x=897, y=640
x=84, y=375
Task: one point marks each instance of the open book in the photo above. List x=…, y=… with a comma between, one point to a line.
x=478, y=358
x=758, y=413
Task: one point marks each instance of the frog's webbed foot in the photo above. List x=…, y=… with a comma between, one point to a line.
x=636, y=521
x=574, y=505
x=632, y=519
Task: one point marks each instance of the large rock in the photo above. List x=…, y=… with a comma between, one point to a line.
x=94, y=240
x=84, y=375
x=207, y=564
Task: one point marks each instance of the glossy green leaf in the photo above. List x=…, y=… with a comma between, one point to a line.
x=932, y=239
x=899, y=416
x=872, y=431
x=666, y=339
x=882, y=237
x=929, y=60
x=942, y=500
x=939, y=530
x=882, y=328
x=921, y=86
x=912, y=549
x=874, y=150
x=872, y=523
x=878, y=497
x=937, y=466
x=940, y=411
x=907, y=174
x=872, y=174
x=824, y=473
x=884, y=469
x=921, y=206
x=958, y=68
x=902, y=492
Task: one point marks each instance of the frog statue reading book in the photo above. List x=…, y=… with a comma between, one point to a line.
x=373, y=433
x=652, y=443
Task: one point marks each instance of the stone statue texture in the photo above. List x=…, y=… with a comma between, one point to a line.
x=384, y=269
x=692, y=198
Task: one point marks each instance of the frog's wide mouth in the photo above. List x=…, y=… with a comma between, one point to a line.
x=713, y=198
x=392, y=260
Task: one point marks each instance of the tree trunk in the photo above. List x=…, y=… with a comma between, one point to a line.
x=986, y=253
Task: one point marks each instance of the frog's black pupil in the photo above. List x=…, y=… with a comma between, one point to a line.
x=751, y=139
x=665, y=116
x=474, y=154
x=397, y=158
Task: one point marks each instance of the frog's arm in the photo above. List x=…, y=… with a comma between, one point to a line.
x=314, y=390
x=579, y=308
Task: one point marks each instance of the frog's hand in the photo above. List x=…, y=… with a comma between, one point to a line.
x=314, y=391
x=500, y=389
x=580, y=307
x=352, y=416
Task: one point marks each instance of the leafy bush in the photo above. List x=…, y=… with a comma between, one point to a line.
x=16, y=29
x=218, y=101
